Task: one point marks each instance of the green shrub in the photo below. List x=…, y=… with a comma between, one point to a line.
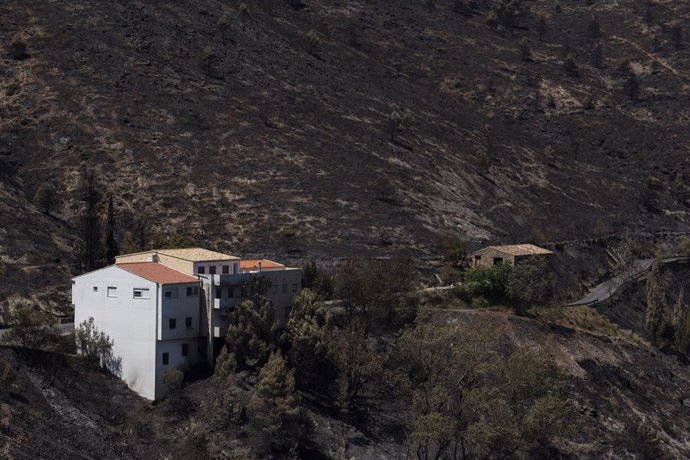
x=488, y=282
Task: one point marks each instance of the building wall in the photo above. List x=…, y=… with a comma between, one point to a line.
x=179, y=309
x=233, y=267
x=175, y=359
x=285, y=284
x=487, y=258
x=130, y=322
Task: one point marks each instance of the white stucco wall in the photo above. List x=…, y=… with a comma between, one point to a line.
x=179, y=308
x=175, y=359
x=130, y=322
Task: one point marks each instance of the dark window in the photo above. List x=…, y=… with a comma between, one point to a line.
x=294, y=287
x=498, y=260
x=172, y=323
x=284, y=288
x=166, y=359
x=185, y=349
x=192, y=291
x=95, y=289
x=212, y=270
x=226, y=269
x=219, y=293
x=188, y=322
x=202, y=270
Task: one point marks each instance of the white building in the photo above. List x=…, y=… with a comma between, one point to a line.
x=145, y=301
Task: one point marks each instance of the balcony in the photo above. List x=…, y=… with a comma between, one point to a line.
x=226, y=304
x=227, y=280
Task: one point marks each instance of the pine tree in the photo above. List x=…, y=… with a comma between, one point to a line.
x=655, y=297
x=111, y=246
x=252, y=333
x=273, y=404
x=227, y=407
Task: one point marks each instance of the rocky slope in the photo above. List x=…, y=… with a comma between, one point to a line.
x=232, y=124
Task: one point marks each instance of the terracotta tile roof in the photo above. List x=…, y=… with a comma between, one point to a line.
x=158, y=273
x=519, y=250
x=253, y=264
x=196, y=254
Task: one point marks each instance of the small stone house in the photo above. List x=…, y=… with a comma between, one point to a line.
x=510, y=254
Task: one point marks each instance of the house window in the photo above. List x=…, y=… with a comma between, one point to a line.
x=185, y=349
x=275, y=289
x=219, y=293
x=236, y=268
x=238, y=291
x=112, y=291
x=192, y=291
x=171, y=293
x=212, y=270
x=188, y=322
x=294, y=287
x=95, y=289
x=141, y=293
x=226, y=269
x=172, y=323
x=201, y=270
x=285, y=288
x=498, y=260
x=166, y=359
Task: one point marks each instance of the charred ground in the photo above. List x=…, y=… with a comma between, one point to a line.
x=232, y=125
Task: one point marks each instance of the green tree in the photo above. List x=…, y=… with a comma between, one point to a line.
x=309, y=334
x=46, y=197
x=359, y=363
x=453, y=249
x=317, y=280
x=521, y=407
x=655, y=298
x=252, y=334
x=529, y=283
x=273, y=405
x=468, y=399
x=490, y=283
x=173, y=379
x=227, y=404
x=95, y=345
x=376, y=292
